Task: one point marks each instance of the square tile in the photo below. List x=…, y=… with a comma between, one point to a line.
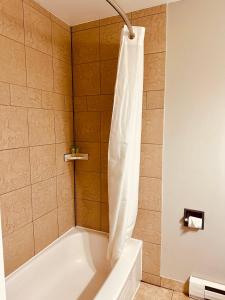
x=41, y=127
x=64, y=127
x=152, y=126
x=18, y=248
x=86, y=46
x=43, y=197
x=61, y=42
x=61, y=165
x=88, y=214
x=66, y=217
x=151, y=160
x=25, y=97
x=150, y=292
x=100, y=103
x=148, y=226
x=4, y=93
x=80, y=103
x=151, y=258
x=88, y=186
x=11, y=16
x=43, y=162
x=16, y=210
x=154, y=71
x=105, y=126
x=108, y=76
x=13, y=127
x=38, y=31
x=65, y=188
x=62, y=77
x=45, y=230
x=39, y=70
x=87, y=126
x=150, y=193
x=12, y=61
x=93, y=162
x=15, y=169
x=87, y=79
x=155, y=99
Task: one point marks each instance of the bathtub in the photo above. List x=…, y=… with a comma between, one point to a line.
x=74, y=267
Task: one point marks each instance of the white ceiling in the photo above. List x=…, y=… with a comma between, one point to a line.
x=74, y=12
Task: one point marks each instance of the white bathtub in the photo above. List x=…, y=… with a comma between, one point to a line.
x=74, y=267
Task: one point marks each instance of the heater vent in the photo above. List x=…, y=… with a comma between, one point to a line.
x=202, y=289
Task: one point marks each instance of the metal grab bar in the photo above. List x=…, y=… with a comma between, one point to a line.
x=124, y=17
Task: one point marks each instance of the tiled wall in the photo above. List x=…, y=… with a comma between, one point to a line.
x=95, y=54
x=36, y=129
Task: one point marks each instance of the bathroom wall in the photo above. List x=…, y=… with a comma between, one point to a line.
x=194, y=140
x=95, y=55
x=36, y=129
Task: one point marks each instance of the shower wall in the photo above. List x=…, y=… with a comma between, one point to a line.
x=36, y=129
x=95, y=55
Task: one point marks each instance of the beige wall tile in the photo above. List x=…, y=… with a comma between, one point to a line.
x=104, y=187
x=105, y=125
x=52, y=100
x=38, y=31
x=151, y=258
x=66, y=217
x=60, y=23
x=85, y=26
x=100, y=103
x=155, y=34
x=144, y=103
x=43, y=164
x=88, y=186
x=64, y=126
x=88, y=214
x=65, y=188
x=154, y=73
x=104, y=157
x=174, y=285
x=62, y=77
x=150, y=292
x=179, y=296
x=4, y=93
x=112, y=20
x=87, y=79
x=12, y=61
x=45, y=230
x=11, y=16
x=148, y=226
x=110, y=40
x=80, y=103
x=155, y=99
x=151, y=160
x=15, y=169
x=108, y=76
x=35, y=5
x=43, y=197
x=149, y=11
x=13, y=127
x=150, y=190
x=104, y=217
x=26, y=97
x=93, y=162
x=61, y=165
x=61, y=43
x=86, y=46
x=68, y=103
x=39, y=70
x=41, y=127
x=152, y=279
x=87, y=126
x=152, y=126
x=16, y=210
x=18, y=248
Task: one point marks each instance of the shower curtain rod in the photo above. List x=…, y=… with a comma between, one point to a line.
x=123, y=16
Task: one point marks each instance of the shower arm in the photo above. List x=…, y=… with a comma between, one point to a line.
x=123, y=16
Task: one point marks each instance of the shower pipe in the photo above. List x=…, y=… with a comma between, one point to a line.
x=123, y=16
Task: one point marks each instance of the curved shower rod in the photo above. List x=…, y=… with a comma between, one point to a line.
x=123, y=16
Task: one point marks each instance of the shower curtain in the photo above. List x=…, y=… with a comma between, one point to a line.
x=125, y=141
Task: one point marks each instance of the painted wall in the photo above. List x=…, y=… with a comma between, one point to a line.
x=95, y=53
x=194, y=139
x=36, y=129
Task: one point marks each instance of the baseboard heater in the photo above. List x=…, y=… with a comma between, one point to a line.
x=201, y=289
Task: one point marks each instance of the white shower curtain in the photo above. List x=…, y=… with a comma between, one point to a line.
x=125, y=141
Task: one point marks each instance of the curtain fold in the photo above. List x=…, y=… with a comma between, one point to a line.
x=125, y=142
